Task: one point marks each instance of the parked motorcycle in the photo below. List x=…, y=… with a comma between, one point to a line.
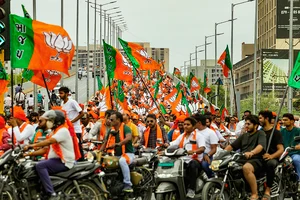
x=288, y=178
x=170, y=175
x=141, y=177
x=230, y=183
x=19, y=180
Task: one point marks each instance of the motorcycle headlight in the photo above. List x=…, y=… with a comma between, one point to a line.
x=215, y=165
x=90, y=157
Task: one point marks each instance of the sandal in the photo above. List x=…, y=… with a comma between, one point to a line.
x=266, y=197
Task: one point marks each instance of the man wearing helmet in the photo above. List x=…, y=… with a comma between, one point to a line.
x=60, y=148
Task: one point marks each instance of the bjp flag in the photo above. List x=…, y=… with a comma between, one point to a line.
x=39, y=46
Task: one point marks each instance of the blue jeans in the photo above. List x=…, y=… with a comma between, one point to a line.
x=205, y=167
x=125, y=168
x=296, y=162
x=46, y=167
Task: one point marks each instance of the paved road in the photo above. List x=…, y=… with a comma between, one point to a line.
x=69, y=82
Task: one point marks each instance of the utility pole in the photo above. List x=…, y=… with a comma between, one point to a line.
x=291, y=42
x=255, y=58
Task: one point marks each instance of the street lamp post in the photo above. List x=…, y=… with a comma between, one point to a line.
x=216, y=54
x=196, y=47
x=195, y=58
x=77, y=52
x=62, y=25
x=95, y=49
x=232, y=91
x=88, y=52
x=255, y=58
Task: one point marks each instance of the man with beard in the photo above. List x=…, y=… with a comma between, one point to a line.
x=276, y=149
x=178, y=128
x=41, y=130
x=74, y=113
x=118, y=141
x=252, y=145
x=154, y=136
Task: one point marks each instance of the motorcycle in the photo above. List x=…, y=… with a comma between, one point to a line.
x=229, y=182
x=288, y=178
x=170, y=176
x=19, y=180
x=141, y=177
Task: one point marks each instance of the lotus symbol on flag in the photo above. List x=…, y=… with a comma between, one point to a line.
x=61, y=44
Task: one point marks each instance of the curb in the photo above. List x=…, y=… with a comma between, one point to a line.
x=39, y=87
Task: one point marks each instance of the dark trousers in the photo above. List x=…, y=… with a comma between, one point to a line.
x=80, y=146
x=193, y=169
x=205, y=167
x=270, y=167
x=46, y=167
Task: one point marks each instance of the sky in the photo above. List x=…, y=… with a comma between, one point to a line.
x=179, y=25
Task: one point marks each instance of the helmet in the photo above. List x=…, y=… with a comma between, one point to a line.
x=56, y=116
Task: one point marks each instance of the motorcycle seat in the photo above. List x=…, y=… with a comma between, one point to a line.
x=138, y=162
x=78, y=167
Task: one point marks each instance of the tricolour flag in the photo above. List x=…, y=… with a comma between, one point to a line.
x=225, y=62
x=3, y=79
x=205, y=84
x=116, y=64
x=193, y=83
x=39, y=46
x=294, y=79
x=138, y=56
x=176, y=71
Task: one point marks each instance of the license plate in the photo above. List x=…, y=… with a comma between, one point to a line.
x=166, y=164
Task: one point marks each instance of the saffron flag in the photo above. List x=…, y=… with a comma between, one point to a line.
x=193, y=83
x=39, y=46
x=116, y=65
x=224, y=112
x=176, y=106
x=138, y=56
x=294, y=79
x=225, y=62
x=176, y=71
x=51, y=77
x=205, y=84
x=212, y=109
x=3, y=79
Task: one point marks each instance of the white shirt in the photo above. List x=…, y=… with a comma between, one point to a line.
x=30, y=101
x=24, y=136
x=200, y=140
x=65, y=142
x=20, y=96
x=72, y=108
x=210, y=138
x=239, y=127
x=7, y=101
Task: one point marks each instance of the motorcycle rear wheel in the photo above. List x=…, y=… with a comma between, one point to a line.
x=89, y=192
x=7, y=194
x=147, y=195
x=211, y=191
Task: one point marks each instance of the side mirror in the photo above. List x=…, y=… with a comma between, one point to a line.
x=297, y=139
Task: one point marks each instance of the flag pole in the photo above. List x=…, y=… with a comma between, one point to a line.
x=277, y=117
x=109, y=87
x=234, y=94
x=138, y=73
x=47, y=89
x=12, y=104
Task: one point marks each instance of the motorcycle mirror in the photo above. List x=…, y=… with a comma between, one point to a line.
x=297, y=139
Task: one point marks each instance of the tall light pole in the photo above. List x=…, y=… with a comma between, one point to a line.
x=216, y=54
x=194, y=59
x=196, y=47
x=34, y=85
x=95, y=48
x=88, y=53
x=232, y=91
x=77, y=52
x=255, y=57
x=291, y=41
x=62, y=25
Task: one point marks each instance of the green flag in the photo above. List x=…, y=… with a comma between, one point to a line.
x=162, y=108
x=294, y=79
x=100, y=85
x=3, y=74
x=26, y=14
x=186, y=104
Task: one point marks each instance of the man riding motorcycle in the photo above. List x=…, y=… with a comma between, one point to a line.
x=119, y=142
x=276, y=149
x=252, y=144
x=194, y=143
x=62, y=153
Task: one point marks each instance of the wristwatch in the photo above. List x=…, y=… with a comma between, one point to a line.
x=208, y=155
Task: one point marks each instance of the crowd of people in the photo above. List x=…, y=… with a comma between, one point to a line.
x=126, y=128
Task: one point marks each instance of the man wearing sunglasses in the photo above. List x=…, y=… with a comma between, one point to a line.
x=154, y=136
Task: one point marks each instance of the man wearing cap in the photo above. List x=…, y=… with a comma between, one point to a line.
x=177, y=129
x=74, y=113
x=63, y=150
x=132, y=126
x=4, y=136
x=23, y=131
